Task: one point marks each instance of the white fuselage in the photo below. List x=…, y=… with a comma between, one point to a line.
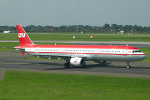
x=88, y=53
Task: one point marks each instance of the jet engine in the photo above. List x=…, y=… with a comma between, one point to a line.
x=77, y=61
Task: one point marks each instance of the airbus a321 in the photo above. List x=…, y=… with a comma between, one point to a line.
x=76, y=55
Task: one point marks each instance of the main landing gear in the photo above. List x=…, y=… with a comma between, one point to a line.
x=67, y=65
x=128, y=65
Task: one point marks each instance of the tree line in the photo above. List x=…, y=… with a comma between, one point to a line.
x=106, y=28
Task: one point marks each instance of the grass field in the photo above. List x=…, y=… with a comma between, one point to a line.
x=8, y=46
x=48, y=86
x=80, y=37
x=147, y=52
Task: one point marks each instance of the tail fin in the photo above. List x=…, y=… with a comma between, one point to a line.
x=23, y=37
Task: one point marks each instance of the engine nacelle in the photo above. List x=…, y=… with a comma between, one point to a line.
x=77, y=61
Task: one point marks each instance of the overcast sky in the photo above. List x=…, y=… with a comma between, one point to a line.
x=75, y=12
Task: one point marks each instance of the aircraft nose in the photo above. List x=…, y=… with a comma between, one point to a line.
x=143, y=57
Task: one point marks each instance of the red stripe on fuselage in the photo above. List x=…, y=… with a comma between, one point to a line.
x=85, y=46
x=79, y=47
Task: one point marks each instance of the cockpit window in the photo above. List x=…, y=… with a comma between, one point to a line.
x=136, y=51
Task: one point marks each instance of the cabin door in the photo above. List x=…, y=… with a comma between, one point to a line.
x=125, y=51
x=96, y=52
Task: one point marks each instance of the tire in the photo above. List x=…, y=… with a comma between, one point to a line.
x=128, y=67
x=66, y=65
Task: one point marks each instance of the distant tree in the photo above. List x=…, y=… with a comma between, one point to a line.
x=114, y=27
x=30, y=28
x=146, y=29
x=81, y=28
x=48, y=28
x=40, y=28
x=135, y=28
x=127, y=28
x=120, y=27
x=106, y=27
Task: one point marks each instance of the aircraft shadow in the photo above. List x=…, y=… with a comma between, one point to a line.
x=108, y=65
x=88, y=66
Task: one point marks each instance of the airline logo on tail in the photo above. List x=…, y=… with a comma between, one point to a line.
x=21, y=35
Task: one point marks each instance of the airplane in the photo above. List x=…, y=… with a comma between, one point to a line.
x=76, y=55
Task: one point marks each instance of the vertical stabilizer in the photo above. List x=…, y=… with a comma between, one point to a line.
x=23, y=37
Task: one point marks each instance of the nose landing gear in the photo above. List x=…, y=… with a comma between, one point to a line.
x=128, y=65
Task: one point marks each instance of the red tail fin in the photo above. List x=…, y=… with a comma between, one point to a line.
x=23, y=37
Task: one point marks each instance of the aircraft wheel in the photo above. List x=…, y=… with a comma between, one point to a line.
x=104, y=61
x=66, y=65
x=128, y=67
x=84, y=65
